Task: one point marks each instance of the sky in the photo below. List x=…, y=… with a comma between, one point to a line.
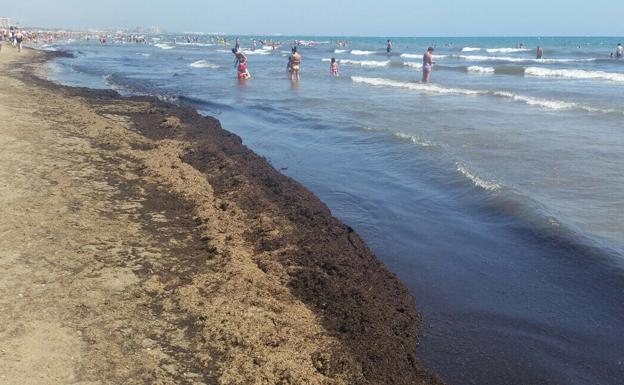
x=334, y=17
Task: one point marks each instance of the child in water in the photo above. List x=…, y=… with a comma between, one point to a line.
x=334, y=67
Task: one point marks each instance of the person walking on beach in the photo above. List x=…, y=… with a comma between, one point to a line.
x=2, y=32
x=388, y=46
x=539, y=52
x=12, y=36
x=295, y=67
x=427, y=65
x=19, y=38
x=619, y=51
x=334, y=67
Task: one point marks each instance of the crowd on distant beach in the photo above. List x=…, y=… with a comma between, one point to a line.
x=17, y=37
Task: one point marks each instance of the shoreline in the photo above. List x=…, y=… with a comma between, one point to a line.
x=261, y=283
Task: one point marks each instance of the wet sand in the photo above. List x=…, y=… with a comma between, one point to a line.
x=143, y=244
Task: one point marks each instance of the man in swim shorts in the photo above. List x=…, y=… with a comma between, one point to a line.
x=539, y=52
x=619, y=51
x=388, y=46
x=296, y=64
x=427, y=64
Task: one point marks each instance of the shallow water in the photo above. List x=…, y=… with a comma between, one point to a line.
x=496, y=193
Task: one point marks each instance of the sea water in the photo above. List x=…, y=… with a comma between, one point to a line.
x=495, y=192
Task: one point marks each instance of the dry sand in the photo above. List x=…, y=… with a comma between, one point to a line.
x=142, y=244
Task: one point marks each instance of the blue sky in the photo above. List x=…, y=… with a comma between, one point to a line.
x=335, y=17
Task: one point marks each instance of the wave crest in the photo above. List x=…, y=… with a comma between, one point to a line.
x=203, y=64
x=574, y=74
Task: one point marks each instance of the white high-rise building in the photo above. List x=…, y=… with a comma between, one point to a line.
x=5, y=22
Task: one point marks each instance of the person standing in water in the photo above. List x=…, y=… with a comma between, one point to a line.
x=241, y=65
x=427, y=65
x=296, y=65
x=619, y=51
x=539, y=52
x=388, y=46
x=334, y=67
x=237, y=45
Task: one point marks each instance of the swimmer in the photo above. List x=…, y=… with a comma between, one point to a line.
x=539, y=52
x=295, y=68
x=619, y=52
x=388, y=46
x=427, y=65
x=237, y=45
x=334, y=67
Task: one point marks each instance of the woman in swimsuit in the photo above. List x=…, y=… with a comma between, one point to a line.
x=427, y=64
x=334, y=67
x=241, y=64
x=18, y=39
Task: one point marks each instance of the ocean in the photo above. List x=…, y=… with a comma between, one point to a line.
x=496, y=192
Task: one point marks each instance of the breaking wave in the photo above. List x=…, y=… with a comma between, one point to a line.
x=574, y=74
x=203, y=64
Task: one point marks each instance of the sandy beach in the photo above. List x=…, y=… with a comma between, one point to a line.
x=143, y=244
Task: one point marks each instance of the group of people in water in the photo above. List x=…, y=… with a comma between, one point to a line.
x=293, y=66
x=294, y=63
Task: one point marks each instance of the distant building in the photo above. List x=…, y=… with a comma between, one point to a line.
x=5, y=22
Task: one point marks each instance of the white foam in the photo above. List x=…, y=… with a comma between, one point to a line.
x=414, y=139
x=341, y=50
x=412, y=64
x=256, y=52
x=203, y=64
x=363, y=63
x=420, y=56
x=434, y=88
x=532, y=101
x=163, y=46
x=574, y=74
x=470, y=49
x=476, y=180
x=481, y=70
x=196, y=44
x=358, y=52
x=408, y=137
x=423, y=87
x=518, y=59
x=506, y=50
